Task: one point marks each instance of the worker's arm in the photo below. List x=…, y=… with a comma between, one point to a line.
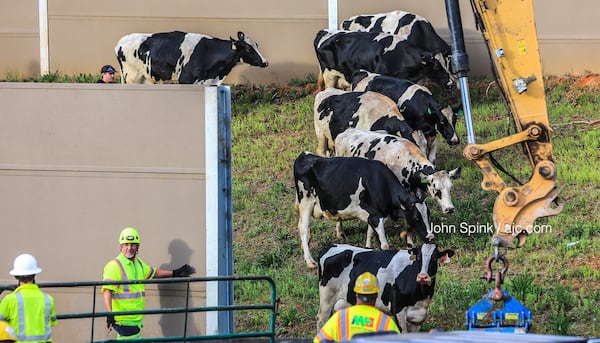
x=110, y=319
x=108, y=299
x=161, y=273
x=183, y=271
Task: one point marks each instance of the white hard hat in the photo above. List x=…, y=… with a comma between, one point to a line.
x=25, y=264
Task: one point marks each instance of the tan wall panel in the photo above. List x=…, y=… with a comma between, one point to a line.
x=20, y=56
x=19, y=15
x=83, y=33
x=80, y=162
x=19, y=38
x=191, y=8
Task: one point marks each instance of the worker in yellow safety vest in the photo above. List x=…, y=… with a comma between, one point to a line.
x=7, y=333
x=130, y=297
x=363, y=317
x=28, y=310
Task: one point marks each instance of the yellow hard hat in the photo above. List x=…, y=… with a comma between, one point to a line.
x=366, y=283
x=129, y=235
x=7, y=333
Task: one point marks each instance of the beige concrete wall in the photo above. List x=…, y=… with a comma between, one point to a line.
x=78, y=163
x=83, y=33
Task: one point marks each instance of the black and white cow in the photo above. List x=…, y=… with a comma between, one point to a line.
x=341, y=188
x=180, y=57
x=336, y=110
x=417, y=30
x=415, y=172
x=417, y=105
x=341, y=53
x=406, y=283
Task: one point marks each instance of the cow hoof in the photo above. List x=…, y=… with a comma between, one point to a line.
x=311, y=264
x=385, y=247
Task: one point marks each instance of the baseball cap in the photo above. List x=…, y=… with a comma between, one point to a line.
x=107, y=69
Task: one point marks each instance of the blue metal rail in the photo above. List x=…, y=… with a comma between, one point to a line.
x=271, y=307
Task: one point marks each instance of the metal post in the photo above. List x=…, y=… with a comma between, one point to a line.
x=219, y=221
x=460, y=62
x=225, y=208
x=43, y=20
x=212, y=195
x=333, y=14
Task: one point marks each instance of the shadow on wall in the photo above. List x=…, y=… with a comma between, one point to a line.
x=173, y=295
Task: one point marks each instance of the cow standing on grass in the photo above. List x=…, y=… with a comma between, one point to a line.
x=406, y=280
x=336, y=110
x=341, y=53
x=180, y=57
x=416, y=103
x=417, y=30
x=342, y=188
x=415, y=172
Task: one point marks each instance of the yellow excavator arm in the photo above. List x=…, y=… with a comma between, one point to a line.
x=508, y=28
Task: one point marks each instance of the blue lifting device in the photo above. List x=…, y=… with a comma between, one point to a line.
x=498, y=311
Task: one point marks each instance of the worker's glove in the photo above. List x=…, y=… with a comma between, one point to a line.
x=110, y=321
x=184, y=271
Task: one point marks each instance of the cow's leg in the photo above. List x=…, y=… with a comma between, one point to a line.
x=340, y=304
x=306, y=207
x=339, y=231
x=380, y=233
x=416, y=315
x=401, y=318
x=369, y=236
x=420, y=140
x=320, y=82
x=128, y=74
x=330, y=147
x=321, y=144
x=327, y=302
x=423, y=210
x=431, y=148
x=409, y=236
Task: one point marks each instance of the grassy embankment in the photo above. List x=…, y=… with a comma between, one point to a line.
x=556, y=274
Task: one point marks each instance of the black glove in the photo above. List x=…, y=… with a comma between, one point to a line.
x=110, y=320
x=184, y=271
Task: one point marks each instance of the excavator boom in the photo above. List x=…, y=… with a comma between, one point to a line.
x=508, y=28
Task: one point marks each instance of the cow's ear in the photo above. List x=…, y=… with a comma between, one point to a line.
x=446, y=255
x=241, y=36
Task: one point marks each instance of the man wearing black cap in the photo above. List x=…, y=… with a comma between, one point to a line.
x=108, y=74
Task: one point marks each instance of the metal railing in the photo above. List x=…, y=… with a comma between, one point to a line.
x=270, y=333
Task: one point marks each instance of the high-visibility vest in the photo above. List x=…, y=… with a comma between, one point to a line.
x=349, y=321
x=128, y=297
x=30, y=312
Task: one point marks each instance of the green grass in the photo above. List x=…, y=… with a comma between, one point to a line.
x=55, y=76
x=557, y=280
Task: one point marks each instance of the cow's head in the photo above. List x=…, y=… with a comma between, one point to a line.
x=247, y=51
x=445, y=118
x=439, y=185
x=427, y=259
x=436, y=71
x=417, y=217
